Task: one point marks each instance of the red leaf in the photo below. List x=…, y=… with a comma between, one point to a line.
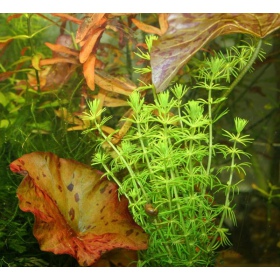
x=188, y=33
x=76, y=211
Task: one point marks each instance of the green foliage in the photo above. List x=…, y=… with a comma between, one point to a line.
x=167, y=156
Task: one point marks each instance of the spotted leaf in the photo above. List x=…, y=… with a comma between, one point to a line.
x=77, y=211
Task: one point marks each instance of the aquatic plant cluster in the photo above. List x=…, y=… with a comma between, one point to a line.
x=140, y=104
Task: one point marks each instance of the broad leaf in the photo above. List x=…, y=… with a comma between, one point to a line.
x=77, y=212
x=187, y=33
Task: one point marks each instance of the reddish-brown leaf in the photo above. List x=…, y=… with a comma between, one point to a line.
x=114, y=84
x=187, y=33
x=9, y=18
x=6, y=75
x=93, y=21
x=77, y=212
x=89, y=45
x=88, y=70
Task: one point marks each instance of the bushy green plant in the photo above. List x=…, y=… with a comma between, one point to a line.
x=164, y=164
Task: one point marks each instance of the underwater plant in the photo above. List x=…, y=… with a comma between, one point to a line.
x=158, y=132
x=167, y=154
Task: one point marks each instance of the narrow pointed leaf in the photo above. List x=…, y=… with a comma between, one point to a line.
x=89, y=45
x=88, y=70
x=114, y=84
x=95, y=20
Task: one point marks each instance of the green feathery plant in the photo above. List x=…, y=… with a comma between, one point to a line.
x=164, y=164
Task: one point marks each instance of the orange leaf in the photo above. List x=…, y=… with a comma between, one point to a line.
x=63, y=49
x=9, y=18
x=114, y=84
x=163, y=23
x=89, y=45
x=68, y=17
x=88, y=70
x=95, y=20
x=55, y=60
x=77, y=212
x=146, y=28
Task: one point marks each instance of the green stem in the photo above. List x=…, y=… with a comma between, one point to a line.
x=131, y=172
x=210, y=130
x=32, y=49
x=241, y=74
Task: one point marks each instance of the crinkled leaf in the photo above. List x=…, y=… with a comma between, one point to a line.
x=77, y=212
x=187, y=33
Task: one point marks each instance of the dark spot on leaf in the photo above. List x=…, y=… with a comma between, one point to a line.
x=44, y=175
x=102, y=190
x=37, y=178
x=70, y=187
x=102, y=209
x=102, y=218
x=128, y=232
x=72, y=214
x=114, y=220
x=27, y=202
x=110, y=190
x=60, y=188
x=137, y=233
x=77, y=197
x=106, y=223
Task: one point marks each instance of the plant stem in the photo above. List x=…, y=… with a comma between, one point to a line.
x=32, y=49
x=241, y=75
